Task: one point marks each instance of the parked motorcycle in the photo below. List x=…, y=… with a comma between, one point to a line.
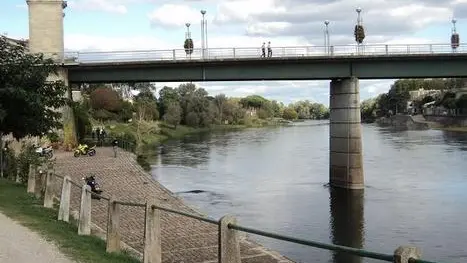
x=84, y=149
x=47, y=152
x=95, y=187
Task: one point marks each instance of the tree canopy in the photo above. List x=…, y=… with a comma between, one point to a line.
x=28, y=98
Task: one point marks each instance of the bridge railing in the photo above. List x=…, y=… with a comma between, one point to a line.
x=256, y=52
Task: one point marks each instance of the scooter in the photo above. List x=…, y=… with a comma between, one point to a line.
x=84, y=149
x=95, y=187
x=47, y=152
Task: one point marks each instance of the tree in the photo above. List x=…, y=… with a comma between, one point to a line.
x=219, y=101
x=290, y=114
x=173, y=114
x=105, y=99
x=28, y=99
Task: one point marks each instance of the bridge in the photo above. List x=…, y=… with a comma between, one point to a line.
x=343, y=65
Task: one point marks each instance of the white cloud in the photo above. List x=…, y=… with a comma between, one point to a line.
x=110, y=6
x=174, y=15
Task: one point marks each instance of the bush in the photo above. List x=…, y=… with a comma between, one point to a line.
x=143, y=161
x=25, y=158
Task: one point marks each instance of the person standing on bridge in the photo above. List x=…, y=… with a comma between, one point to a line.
x=269, y=49
x=263, y=49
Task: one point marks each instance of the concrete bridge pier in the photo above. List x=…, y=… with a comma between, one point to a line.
x=345, y=149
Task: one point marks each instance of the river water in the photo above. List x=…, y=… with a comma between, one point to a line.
x=275, y=179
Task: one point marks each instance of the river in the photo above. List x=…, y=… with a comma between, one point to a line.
x=275, y=179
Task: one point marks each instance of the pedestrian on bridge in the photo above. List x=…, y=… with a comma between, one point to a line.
x=269, y=49
x=263, y=49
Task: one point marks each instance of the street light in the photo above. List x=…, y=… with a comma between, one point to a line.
x=204, y=33
x=327, y=43
x=359, y=31
x=454, y=36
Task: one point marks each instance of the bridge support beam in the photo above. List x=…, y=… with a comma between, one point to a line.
x=345, y=149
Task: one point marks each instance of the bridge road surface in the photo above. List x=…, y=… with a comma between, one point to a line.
x=19, y=244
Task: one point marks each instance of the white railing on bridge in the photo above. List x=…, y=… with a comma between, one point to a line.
x=251, y=53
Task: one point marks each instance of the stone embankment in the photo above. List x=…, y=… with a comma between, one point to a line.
x=405, y=122
x=183, y=239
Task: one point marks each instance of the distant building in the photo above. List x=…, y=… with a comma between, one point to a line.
x=421, y=93
x=20, y=42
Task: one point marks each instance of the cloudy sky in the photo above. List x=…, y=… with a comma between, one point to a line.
x=159, y=24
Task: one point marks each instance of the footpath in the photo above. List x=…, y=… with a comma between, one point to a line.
x=184, y=240
x=21, y=245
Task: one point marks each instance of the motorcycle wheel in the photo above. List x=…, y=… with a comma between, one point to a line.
x=92, y=152
x=76, y=154
x=49, y=155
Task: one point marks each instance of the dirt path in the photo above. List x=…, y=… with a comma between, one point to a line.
x=19, y=244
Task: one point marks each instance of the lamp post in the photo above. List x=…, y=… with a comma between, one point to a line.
x=204, y=34
x=327, y=43
x=359, y=23
x=454, y=36
x=188, y=41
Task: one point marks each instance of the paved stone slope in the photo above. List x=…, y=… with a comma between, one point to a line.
x=183, y=239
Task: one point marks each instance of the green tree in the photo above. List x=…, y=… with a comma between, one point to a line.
x=173, y=114
x=290, y=114
x=28, y=100
x=167, y=96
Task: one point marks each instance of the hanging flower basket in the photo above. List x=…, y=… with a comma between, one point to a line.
x=455, y=40
x=188, y=46
x=359, y=33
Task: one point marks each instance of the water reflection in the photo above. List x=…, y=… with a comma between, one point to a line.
x=347, y=222
x=456, y=139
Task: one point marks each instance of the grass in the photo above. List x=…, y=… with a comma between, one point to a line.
x=28, y=211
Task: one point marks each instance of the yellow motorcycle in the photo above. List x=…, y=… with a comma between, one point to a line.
x=84, y=149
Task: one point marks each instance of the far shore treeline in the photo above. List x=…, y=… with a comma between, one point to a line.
x=185, y=105
x=397, y=98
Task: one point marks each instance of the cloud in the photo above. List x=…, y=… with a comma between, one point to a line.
x=174, y=15
x=110, y=6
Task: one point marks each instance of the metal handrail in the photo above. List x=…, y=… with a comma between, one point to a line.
x=84, y=57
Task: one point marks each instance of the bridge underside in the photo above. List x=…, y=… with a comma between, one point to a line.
x=374, y=67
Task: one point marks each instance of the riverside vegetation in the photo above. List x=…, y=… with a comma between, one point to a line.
x=396, y=99
x=145, y=120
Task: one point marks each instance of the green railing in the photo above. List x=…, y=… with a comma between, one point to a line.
x=108, y=142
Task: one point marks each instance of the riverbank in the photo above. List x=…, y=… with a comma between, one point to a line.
x=152, y=133
x=185, y=239
x=28, y=211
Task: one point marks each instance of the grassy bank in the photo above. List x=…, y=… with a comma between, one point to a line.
x=157, y=132
x=452, y=128
x=28, y=211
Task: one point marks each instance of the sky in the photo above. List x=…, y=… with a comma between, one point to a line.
x=110, y=25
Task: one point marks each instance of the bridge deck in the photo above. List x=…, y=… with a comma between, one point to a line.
x=183, y=239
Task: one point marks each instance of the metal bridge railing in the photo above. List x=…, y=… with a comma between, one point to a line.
x=255, y=53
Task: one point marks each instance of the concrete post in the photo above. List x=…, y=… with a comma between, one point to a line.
x=229, y=247
x=48, y=195
x=84, y=224
x=113, y=222
x=152, y=234
x=40, y=174
x=403, y=253
x=64, y=209
x=31, y=179
x=18, y=178
x=345, y=156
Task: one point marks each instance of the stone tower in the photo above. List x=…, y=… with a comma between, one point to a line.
x=46, y=27
x=46, y=36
